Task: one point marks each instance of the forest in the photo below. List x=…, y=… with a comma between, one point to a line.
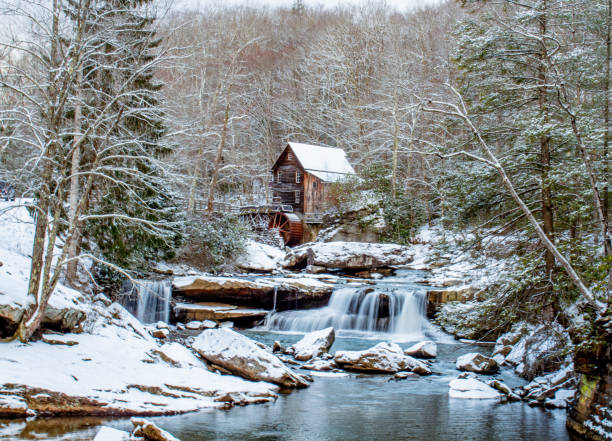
x=479, y=130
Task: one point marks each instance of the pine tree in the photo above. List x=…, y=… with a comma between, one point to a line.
x=124, y=66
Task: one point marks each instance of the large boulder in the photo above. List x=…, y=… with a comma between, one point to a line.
x=314, y=344
x=260, y=257
x=242, y=356
x=472, y=388
x=348, y=255
x=478, y=363
x=382, y=358
x=289, y=292
x=424, y=349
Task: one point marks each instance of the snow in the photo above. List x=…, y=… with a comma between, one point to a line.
x=109, y=434
x=16, y=239
x=260, y=257
x=327, y=163
x=115, y=363
x=314, y=344
x=471, y=388
x=127, y=379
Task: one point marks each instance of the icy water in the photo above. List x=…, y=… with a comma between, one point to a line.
x=348, y=406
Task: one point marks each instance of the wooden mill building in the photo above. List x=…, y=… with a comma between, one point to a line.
x=301, y=177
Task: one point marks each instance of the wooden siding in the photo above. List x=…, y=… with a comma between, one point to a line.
x=284, y=183
x=314, y=194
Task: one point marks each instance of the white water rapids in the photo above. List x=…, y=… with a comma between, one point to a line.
x=382, y=308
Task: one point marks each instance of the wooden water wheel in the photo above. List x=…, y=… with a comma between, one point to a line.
x=289, y=226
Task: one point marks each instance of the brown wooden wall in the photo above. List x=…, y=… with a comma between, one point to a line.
x=314, y=194
x=284, y=183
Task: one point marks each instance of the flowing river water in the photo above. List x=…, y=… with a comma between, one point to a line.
x=348, y=406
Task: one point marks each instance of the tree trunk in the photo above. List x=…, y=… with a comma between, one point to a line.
x=71, y=269
x=546, y=193
x=215, y=172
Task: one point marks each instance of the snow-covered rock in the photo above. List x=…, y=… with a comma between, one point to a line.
x=314, y=344
x=194, y=325
x=475, y=362
x=321, y=365
x=242, y=356
x=110, y=434
x=424, y=349
x=178, y=355
x=348, y=255
x=260, y=292
x=149, y=431
x=384, y=357
x=216, y=312
x=160, y=333
x=260, y=257
x=471, y=388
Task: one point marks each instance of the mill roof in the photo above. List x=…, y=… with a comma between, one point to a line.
x=326, y=163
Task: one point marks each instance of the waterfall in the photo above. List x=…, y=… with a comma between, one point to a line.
x=390, y=310
x=153, y=301
x=271, y=313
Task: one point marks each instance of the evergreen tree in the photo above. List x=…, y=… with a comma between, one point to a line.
x=124, y=65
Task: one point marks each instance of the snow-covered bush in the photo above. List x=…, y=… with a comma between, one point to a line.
x=213, y=240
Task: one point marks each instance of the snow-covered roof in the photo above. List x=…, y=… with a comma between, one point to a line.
x=327, y=163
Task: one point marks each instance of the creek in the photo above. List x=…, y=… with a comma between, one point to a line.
x=348, y=406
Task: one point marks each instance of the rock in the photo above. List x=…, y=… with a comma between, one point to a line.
x=384, y=357
x=149, y=431
x=216, y=312
x=260, y=257
x=109, y=434
x=160, y=333
x=241, y=356
x=475, y=362
x=105, y=301
x=315, y=269
x=226, y=325
x=404, y=375
x=424, y=349
x=161, y=325
x=59, y=339
x=177, y=355
x=348, y=255
x=209, y=324
x=194, y=325
x=321, y=365
x=471, y=388
x=180, y=326
x=64, y=317
x=276, y=347
x=291, y=293
x=501, y=387
x=314, y=344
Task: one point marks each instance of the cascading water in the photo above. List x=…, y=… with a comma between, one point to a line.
x=386, y=308
x=153, y=301
x=273, y=310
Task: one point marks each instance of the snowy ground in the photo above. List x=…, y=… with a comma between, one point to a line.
x=113, y=367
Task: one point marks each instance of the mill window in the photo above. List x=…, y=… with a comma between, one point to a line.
x=298, y=177
x=297, y=196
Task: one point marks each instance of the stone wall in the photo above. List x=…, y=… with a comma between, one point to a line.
x=590, y=415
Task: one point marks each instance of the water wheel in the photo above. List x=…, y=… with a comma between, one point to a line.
x=289, y=226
